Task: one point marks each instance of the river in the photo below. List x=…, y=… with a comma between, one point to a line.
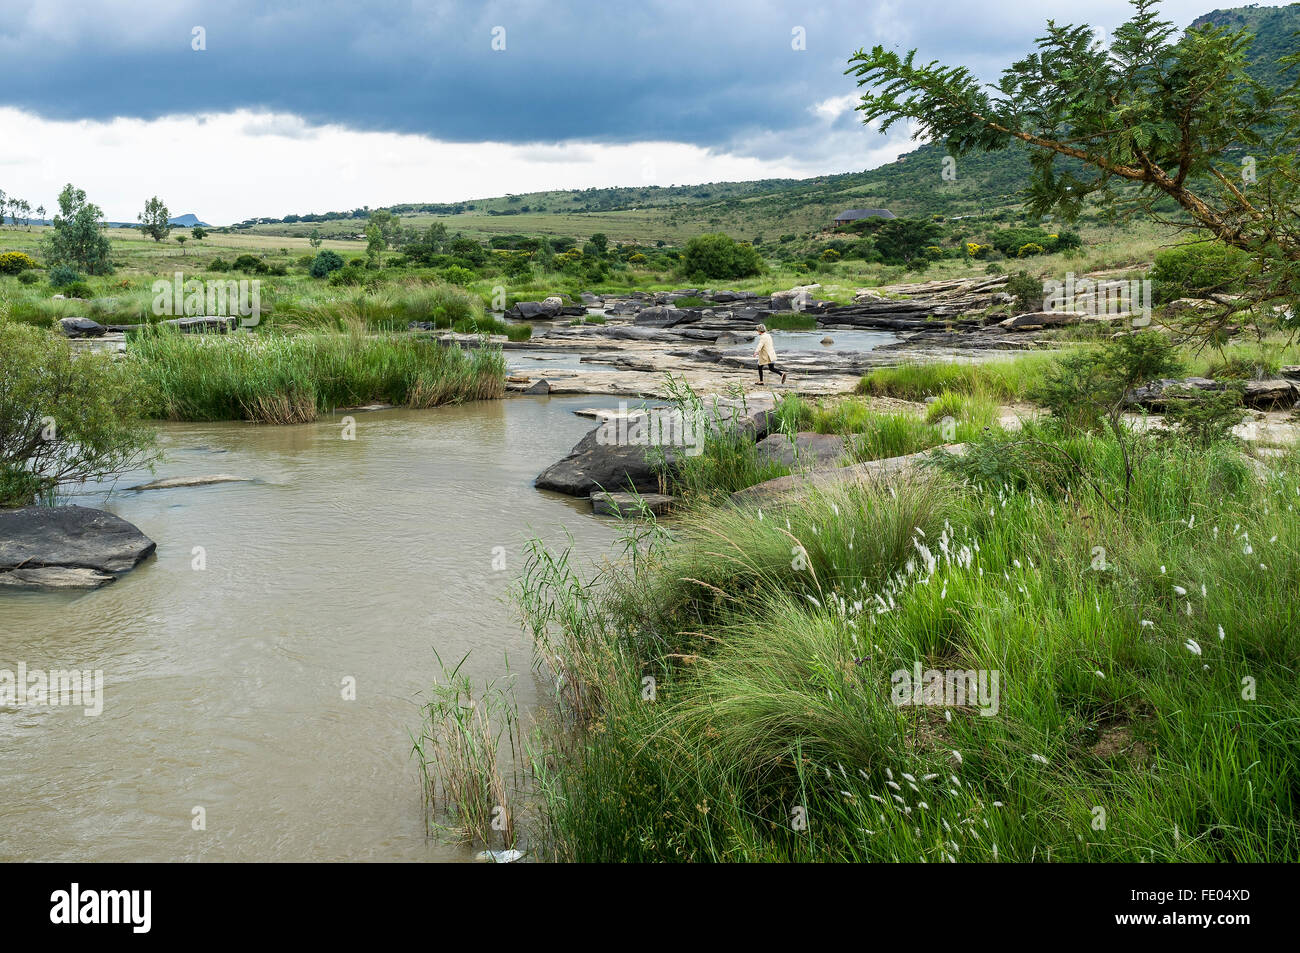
x=224, y=686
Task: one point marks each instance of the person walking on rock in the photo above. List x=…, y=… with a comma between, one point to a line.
x=765, y=353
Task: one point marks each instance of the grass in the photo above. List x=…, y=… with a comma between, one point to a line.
x=1127, y=728
x=1004, y=380
x=791, y=322
x=293, y=378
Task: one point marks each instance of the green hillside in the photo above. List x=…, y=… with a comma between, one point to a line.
x=986, y=185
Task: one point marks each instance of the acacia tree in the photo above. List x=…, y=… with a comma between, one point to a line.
x=1151, y=118
x=155, y=219
x=78, y=238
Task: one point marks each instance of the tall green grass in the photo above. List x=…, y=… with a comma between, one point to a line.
x=292, y=378
x=1005, y=380
x=1147, y=661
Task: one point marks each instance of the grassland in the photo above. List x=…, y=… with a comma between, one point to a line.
x=1145, y=655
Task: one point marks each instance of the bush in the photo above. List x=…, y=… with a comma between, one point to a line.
x=86, y=426
x=1029, y=249
x=60, y=276
x=720, y=256
x=457, y=275
x=28, y=277
x=219, y=264
x=1027, y=291
x=348, y=275
x=15, y=262
x=1193, y=271
x=248, y=263
x=324, y=263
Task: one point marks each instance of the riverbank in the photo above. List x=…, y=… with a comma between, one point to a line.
x=742, y=689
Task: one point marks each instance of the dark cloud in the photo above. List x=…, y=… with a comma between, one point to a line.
x=709, y=73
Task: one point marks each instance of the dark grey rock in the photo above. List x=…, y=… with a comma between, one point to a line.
x=81, y=328
x=70, y=537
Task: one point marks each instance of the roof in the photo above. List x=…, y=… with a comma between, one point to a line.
x=856, y=213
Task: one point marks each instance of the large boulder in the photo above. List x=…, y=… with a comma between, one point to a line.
x=81, y=328
x=600, y=461
x=40, y=545
x=536, y=310
x=811, y=451
x=635, y=450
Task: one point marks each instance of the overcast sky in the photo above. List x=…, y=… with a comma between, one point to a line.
x=318, y=105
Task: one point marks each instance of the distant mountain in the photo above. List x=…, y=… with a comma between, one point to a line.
x=188, y=220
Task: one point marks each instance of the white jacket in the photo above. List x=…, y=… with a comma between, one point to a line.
x=764, y=350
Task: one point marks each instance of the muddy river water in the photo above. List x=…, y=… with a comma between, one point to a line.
x=341, y=562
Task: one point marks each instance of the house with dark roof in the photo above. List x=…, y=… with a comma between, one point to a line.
x=854, y=214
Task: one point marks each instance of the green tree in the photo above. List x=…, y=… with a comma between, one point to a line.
x=719, y=256
x=314, y=239
x=155, y=219
x=199, y=233
x=64, y=420
x=1151, y=120
x=78, y=238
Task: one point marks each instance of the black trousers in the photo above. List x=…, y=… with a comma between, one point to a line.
x=771, y=367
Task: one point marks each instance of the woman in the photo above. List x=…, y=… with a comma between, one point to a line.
x=765, y=352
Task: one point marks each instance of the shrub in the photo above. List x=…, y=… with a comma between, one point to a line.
x=15, y=262
x=324, y=263
x=1026, y=290
x=248, y=263
x=457, y=275
x=86, y=427
x=219, y=264
x=1193, y=271
x=720, y=256
x=28, y=277
x=60, y=276
x=351, y=274
x=1029, y=249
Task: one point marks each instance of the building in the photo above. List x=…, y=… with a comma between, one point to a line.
x=854, y=214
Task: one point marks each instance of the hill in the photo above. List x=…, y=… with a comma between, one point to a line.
x=766, y=210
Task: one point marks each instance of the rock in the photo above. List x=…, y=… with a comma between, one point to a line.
x=1158, y=393
x=81, y=328
x=199, y=325
x=555, y=302
x=55, y=577
x=600, y=462
x=592, y=300
x=1038, y=319
x=812, y=451
x=663, y=316
x=828, y=340
x=628, y=504
x=633, y=451
x=873, y=471
x=1269, y=394
x=542, y=386
x=173, y=482
x=509, y=856
x=69, y=537
x=1291, y=372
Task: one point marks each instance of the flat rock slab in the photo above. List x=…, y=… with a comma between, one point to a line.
x=173, y=482
x=812, y=451
x=629, y=504
x=872, y=471
x=55, y=577
x=69, y=537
